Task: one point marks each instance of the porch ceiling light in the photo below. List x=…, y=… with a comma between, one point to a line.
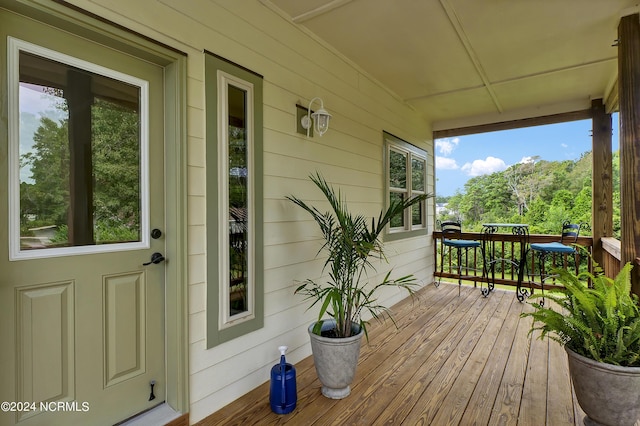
x=320, y=118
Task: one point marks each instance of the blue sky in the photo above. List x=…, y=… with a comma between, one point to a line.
x=461, y=158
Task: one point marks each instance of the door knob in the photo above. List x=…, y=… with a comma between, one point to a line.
x=155, y=259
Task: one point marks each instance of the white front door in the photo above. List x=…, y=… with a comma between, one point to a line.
x=82, y=319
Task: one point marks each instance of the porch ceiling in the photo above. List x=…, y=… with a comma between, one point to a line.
x=467, y=62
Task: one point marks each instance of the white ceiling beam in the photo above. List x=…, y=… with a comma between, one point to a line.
x=321, y=10
x=457, y=25
x=518, y=78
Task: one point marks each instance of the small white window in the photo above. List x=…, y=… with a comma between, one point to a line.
x=406, y=172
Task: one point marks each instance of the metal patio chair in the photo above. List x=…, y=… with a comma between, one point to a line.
x=452, y=242
x=566, y=246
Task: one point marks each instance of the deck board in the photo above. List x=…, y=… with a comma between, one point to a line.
x=534, y=392
x=455, y=403
x=560, y=408
x=465, y=339
x=486, y=390
x=454, y=360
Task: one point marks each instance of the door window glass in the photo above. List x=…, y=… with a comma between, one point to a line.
x=78, y=166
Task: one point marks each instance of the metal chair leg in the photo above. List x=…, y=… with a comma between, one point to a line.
x=459, y=270
x=442, y=248
x=541, y=259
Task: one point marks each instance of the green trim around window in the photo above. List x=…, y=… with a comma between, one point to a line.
x=391, y=141
x=216, y=334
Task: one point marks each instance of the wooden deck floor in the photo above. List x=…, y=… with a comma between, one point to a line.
x=455, y=360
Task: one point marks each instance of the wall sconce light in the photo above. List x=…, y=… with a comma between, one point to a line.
x=320, y=118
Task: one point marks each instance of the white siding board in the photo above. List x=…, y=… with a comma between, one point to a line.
x=290, y=276
x=195, y=92
x=200, y=408
x=291, y=254
x=278, y=187
x=278, y=233
x=195, y=122
x=196, y=210
x=276, y=166
x=197, y=298
x=282, y=302
x=310, y=154
x=196, y=238
x=197, y=329
x=196, y=178
x=196, y=154
x=320, y=153
x=277, y=119
x=229, y=370
x=197, y=267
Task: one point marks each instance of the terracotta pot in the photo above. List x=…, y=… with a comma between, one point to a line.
x=608, y=394
x=335, y=360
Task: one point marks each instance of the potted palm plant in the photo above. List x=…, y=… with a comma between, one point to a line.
x=350, y=245
x=599, y=327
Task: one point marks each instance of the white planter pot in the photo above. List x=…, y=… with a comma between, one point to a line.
x=335, y=360
x=608, y=394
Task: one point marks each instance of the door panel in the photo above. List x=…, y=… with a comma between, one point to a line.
x=124, y=331
x=87, y=317
x=45, y=341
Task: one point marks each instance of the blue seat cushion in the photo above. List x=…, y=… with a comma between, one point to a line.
x=553, y=247
x=462, y=243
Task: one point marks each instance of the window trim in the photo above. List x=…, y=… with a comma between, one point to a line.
x=217, y=217
x=14, y=47
x=225, y=80
x=393, y=143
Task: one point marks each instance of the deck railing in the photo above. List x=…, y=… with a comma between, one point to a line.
x=611, y=256
x=507, y=248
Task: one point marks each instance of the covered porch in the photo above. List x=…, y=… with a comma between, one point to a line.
x=486, y=66
x=454, y=360
x=421, y=70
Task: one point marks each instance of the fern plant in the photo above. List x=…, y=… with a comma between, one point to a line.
x=350, y=244
x=601, y=323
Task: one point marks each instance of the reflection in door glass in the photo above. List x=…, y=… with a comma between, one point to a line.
x=79, y=156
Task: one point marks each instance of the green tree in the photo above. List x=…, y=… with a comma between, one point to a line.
x=616, y=193
x=581, y=211
x=540, y=193
x=116, y=174
x=486, y=198
x=563, y=198
x=537, y=213
x=48, y=197
x=116, y=159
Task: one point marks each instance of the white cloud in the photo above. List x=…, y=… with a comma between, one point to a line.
x=443, y=163
x=527, y=160
x=446, y=146
x=484, y=167
x=564, y=145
